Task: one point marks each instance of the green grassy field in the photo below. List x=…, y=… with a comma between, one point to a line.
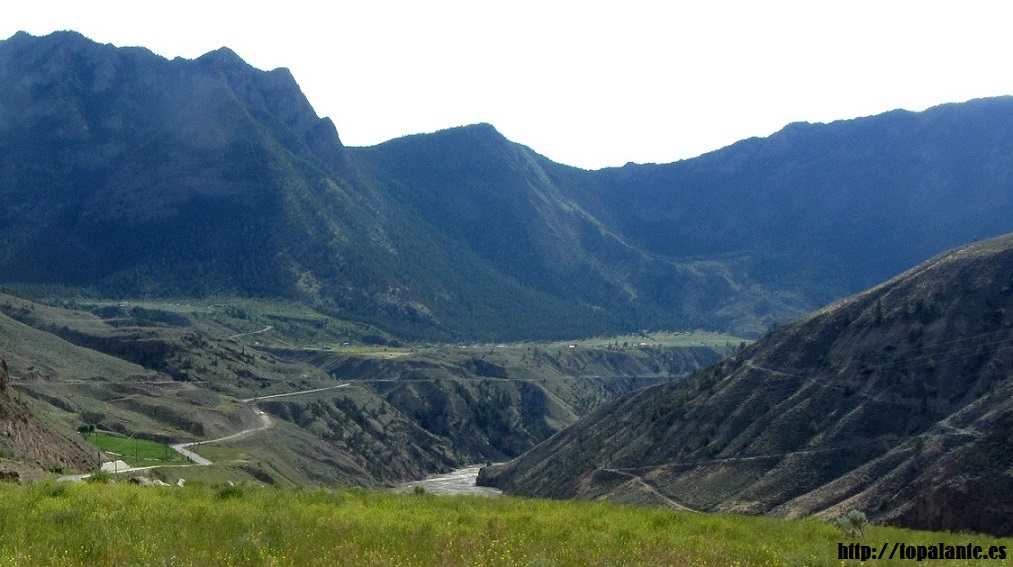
x=135, y=452
x=658, y=339
x=78, y=524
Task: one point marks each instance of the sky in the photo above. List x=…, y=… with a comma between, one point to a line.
x=586, y=83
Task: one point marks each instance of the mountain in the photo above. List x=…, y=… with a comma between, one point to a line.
x=498, y=201
x=129, y=175
x=895, y=401
x=870, y=197
x=134, y=174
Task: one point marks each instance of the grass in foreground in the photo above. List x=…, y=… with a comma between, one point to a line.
x=64, y=524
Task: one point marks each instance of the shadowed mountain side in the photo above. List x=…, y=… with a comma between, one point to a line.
x=496, y=200
x=136, y=176
x=895, y=401
x=863, y=199
x=131, y=172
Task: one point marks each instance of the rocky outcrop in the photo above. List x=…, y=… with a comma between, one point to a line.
x=23, y=439
x=5, y=378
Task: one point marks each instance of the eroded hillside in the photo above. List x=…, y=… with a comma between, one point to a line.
x=339, y=413
x=25, y=443
x=895, y=402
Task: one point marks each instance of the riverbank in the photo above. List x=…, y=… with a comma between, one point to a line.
x=458, y=482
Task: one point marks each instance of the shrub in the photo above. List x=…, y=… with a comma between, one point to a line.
x=99, y=477
x=852, y=524
x=55, y=490
x=230, y=491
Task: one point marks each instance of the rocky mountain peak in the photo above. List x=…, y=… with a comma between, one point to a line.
x=276, y=94
x=223, y=57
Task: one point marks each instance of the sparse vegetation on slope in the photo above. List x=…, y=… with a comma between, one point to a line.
x=347, y=406
x=895, y=402
x=27, y=441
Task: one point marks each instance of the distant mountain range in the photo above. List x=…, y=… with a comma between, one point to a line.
x=896, y=402
x=127, y=175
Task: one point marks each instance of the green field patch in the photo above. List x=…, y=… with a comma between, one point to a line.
x=133, y=451
x=365, y=350
x=658, y=339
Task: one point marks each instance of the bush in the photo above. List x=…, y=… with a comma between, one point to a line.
x=852, y=524
x=230, y=491
x=99, y=477
x=55, y=490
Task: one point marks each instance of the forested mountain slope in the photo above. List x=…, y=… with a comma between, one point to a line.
x=132, y=175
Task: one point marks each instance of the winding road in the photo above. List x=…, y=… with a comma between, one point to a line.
x=248, y=400
x=184, y=448
x=265, y=423
x=264, y=330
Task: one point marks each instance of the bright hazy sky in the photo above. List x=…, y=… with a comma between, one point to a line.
x=586, y=83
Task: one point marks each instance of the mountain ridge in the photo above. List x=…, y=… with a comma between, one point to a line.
x=137, y=176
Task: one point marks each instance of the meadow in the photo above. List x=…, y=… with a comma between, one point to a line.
x=135, y=452
x=200, y=524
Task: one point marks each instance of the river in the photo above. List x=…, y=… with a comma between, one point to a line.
x=461, y=481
